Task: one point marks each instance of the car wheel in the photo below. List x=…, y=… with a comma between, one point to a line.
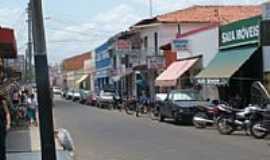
x=161, y=117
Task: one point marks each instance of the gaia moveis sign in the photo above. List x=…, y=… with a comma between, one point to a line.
x=239, y=33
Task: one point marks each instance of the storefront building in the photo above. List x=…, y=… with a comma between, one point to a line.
x=186, y=56
x=239, y=61
x=103, y=66
x=161, y=30
x=74, y=73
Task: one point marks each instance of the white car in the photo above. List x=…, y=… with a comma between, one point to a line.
x=57, y=90
x=70, y=94
x=76, y=96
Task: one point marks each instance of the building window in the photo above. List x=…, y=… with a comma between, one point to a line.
x=156, y=43
x=145, y=42
x=114, y=62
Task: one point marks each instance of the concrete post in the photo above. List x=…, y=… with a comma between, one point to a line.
x=265, y=42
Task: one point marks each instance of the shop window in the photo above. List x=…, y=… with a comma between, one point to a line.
x=156, y=43
x=145, y=42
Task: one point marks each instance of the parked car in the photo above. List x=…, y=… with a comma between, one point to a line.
x=83, y=96
x=76, y=96
x=105, y=99
x=57, y=90
x=91, y=99
x=69, y=95
x=181, y=105
x=64, y=93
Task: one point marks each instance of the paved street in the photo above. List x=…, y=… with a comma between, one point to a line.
x=106, y=135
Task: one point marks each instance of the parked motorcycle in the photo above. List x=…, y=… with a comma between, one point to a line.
x=234, y=119
x=260, y=123
x=260, y=126
x=206, y=116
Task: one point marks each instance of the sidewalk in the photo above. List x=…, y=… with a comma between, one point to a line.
x=25, y=145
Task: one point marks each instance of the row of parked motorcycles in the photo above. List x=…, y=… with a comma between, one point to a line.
x=253, y=119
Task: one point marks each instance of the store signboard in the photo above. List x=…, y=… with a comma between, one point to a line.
x=240, y=33
x=155, y=62
x=180, y=45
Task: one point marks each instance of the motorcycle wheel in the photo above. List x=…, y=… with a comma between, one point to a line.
x=200, y=125
x=224, y=127
x=256, y=132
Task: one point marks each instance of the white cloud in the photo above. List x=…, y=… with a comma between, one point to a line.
x=67, y=38
x=78, y=38
x=15, y=18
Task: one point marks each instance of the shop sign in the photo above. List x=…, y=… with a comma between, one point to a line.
x=240, y=33
x=180, y=45
x=217, y=81
x=155, y=62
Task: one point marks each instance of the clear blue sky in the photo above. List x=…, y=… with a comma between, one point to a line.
x=76, y=26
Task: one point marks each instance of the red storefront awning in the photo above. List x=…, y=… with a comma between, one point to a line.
x=169, y=77
x=8, y=48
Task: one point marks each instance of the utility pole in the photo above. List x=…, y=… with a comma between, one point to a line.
x=43, y=85
x=29, y=45
x=151, y=8
x=25, y=65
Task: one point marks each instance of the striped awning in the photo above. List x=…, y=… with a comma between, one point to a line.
x=170, y=76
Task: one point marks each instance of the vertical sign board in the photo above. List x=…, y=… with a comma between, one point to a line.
x=243, y=32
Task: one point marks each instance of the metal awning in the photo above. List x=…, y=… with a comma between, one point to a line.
x=83, y=78
x=8, y=47
x=170, y=76
x=225, y=65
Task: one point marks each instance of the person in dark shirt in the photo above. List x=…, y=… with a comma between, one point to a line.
x=5, y=119
x=4, y=126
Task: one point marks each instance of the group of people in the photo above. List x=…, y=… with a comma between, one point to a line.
x=19, y=103
x=25, y=105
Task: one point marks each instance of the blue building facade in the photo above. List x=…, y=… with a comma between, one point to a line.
x=103, y=66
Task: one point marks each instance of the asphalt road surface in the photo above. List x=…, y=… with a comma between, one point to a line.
x=111, y=135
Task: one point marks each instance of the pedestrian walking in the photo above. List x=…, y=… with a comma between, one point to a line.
x=5, y=122
x=15, y=98
x=31, y=109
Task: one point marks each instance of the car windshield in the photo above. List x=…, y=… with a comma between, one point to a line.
x=161, y=96
x=187, y=96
